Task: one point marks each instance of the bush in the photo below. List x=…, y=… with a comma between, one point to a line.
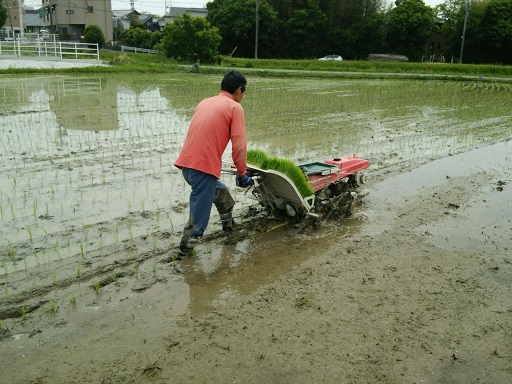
x=94, y=35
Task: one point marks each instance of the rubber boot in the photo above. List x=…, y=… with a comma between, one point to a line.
x=224, y=203
x=187, y=244
x=188, y=240
x=227, y=221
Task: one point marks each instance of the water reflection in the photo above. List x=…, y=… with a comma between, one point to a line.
x=81, y=152
x=223, y=272
x=86, y=162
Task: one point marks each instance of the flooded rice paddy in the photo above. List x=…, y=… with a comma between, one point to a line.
x=86, y=162
x=414, y=286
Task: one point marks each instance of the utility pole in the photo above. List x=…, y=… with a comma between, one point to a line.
x=50, y=12
x=20, y=10
x=468, y=8
x=10, y=18
x=257, y=31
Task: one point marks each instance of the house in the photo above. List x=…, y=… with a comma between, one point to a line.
x=61, y=17
x=32, y=22
x=195, y=12
x=15, y=13
x=146, y=20
x=175, y=11
x=71, y=18
x=123, y=19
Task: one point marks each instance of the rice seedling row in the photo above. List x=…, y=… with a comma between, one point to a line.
x=87, y=162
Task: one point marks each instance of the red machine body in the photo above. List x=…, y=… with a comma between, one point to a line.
x=321, y=175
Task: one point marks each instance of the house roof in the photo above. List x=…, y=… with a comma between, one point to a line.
x=121, y=13
x=32, y=19
x=173, y=11
x=143, y=17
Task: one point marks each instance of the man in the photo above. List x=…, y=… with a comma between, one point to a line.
x=215, y=122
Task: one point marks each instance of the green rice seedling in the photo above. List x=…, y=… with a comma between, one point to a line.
x=34, y=208
x=116, y=234
x=72, y=300
x=97, y=287
x=78, y=271
x=54, y=308
x=23, y=312
x=12, y=252
x=29, y=230
x=286, y=167
x=257, y=157
x=82, y=252
x=130, y=229
x=132, y=254
x=54, y=278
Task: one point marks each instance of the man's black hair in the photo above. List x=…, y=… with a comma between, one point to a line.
x=233, y=80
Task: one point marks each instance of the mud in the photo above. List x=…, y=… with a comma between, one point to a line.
x=413, y=288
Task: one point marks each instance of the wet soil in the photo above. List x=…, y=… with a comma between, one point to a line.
x=415, y=287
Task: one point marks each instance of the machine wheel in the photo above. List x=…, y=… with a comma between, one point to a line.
x=361, y=178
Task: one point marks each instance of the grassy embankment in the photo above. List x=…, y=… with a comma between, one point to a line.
x=144, y=63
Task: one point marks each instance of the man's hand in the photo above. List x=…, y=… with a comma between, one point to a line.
x=244, y=181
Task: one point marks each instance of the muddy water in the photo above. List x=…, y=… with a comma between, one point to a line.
x=91, y=208
x=231, y=271
x=86, y=170
x=468, y=224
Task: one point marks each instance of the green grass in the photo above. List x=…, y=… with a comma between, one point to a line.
x=259, y=159
x=122, y=62
x=375, y=67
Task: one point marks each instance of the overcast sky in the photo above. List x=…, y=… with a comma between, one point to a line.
x=157, y=7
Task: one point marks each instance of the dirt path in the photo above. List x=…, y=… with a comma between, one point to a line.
x=415, y=288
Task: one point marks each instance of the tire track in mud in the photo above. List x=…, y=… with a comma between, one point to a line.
x=382, y=308
x=111, y=264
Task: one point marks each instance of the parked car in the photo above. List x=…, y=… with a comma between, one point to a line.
x=43, y=35
x=332, y=57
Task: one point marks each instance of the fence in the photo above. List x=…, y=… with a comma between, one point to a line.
x=37, y=45
x=125, y=48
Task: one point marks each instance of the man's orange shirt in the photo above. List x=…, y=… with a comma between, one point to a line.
x=216, y=121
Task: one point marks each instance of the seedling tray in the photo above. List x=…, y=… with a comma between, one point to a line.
x=318, y=168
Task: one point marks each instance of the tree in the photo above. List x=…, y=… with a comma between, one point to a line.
x=352, y=28
x=495, y=42
x=140, y=37
x=305, y=32
x=488, y=37
x=94, y=35
x=118, y=30
x=453, y=13
x=3, y=15
x=370, y=36
x=236, y=21
x=191, y=39
x=411, y=24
